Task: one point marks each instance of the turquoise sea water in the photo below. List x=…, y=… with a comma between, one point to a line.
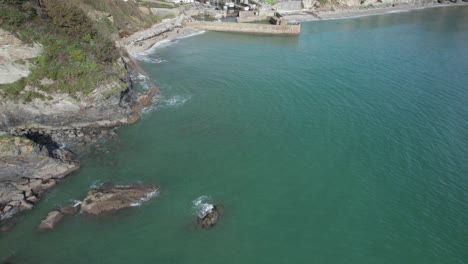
x=346, y=144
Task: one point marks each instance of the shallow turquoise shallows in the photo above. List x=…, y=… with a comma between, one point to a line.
x=346, y=144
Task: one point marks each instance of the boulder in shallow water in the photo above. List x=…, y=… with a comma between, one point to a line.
x=108, y=199
x=210, y=218
x=51, y=220
x=70, y=209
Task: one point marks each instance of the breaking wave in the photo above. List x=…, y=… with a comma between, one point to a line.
x=193, y=34
x=146, y=198
x=75, y=202
x=202, y=206
x=162, y=102
x=150, y=59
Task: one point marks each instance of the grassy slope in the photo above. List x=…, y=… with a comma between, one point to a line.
x=78, y=51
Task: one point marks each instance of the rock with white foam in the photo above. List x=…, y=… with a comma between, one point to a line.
x=108, y=199
x=210, y=216
x=70, y=208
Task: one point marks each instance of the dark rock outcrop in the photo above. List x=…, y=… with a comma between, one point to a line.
x=108, y=199
x=54, y=217
x=210, y=218
x=70, y=209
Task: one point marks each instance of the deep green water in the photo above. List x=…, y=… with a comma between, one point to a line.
x=347, y=144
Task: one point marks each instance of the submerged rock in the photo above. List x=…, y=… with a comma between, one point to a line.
x=113, y=198
x=7, y=226
x=51, y=220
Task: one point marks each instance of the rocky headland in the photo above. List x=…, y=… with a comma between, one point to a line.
x=45, y=118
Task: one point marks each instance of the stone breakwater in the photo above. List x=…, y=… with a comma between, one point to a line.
x=247, y=28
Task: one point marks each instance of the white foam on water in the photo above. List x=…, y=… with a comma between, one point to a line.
x=8, y=214
x=143, y=55
x=193, y=34
x=398, y=11
x=146, y=198
x=176, y=100
x=139, y=77
x=141, y=80
x=76, y=203
x=153, y=107
x=160, y=102
x=149, y=59
x=201, y=206
x=96, y=184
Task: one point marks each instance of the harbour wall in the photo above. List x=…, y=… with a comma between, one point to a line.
x=247, y=28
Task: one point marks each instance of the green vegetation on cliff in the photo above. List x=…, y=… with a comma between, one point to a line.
x=77, y=36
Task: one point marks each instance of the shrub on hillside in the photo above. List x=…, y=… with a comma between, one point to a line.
x=15, y=12
x=69, y=17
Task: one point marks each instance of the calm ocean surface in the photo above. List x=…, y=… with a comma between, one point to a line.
x=346, y=144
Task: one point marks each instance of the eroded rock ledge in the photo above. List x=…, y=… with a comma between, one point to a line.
x=103, y=200
x=28, y=167
x=106, y=199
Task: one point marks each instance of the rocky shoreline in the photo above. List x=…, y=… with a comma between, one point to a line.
x=33, y=157
x=38, y=138
x=29, y=166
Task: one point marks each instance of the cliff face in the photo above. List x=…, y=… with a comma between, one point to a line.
x=66, y=72
x=109, y=104
x=52, y=109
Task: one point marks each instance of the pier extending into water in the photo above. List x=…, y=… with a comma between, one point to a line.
x=247, y=28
